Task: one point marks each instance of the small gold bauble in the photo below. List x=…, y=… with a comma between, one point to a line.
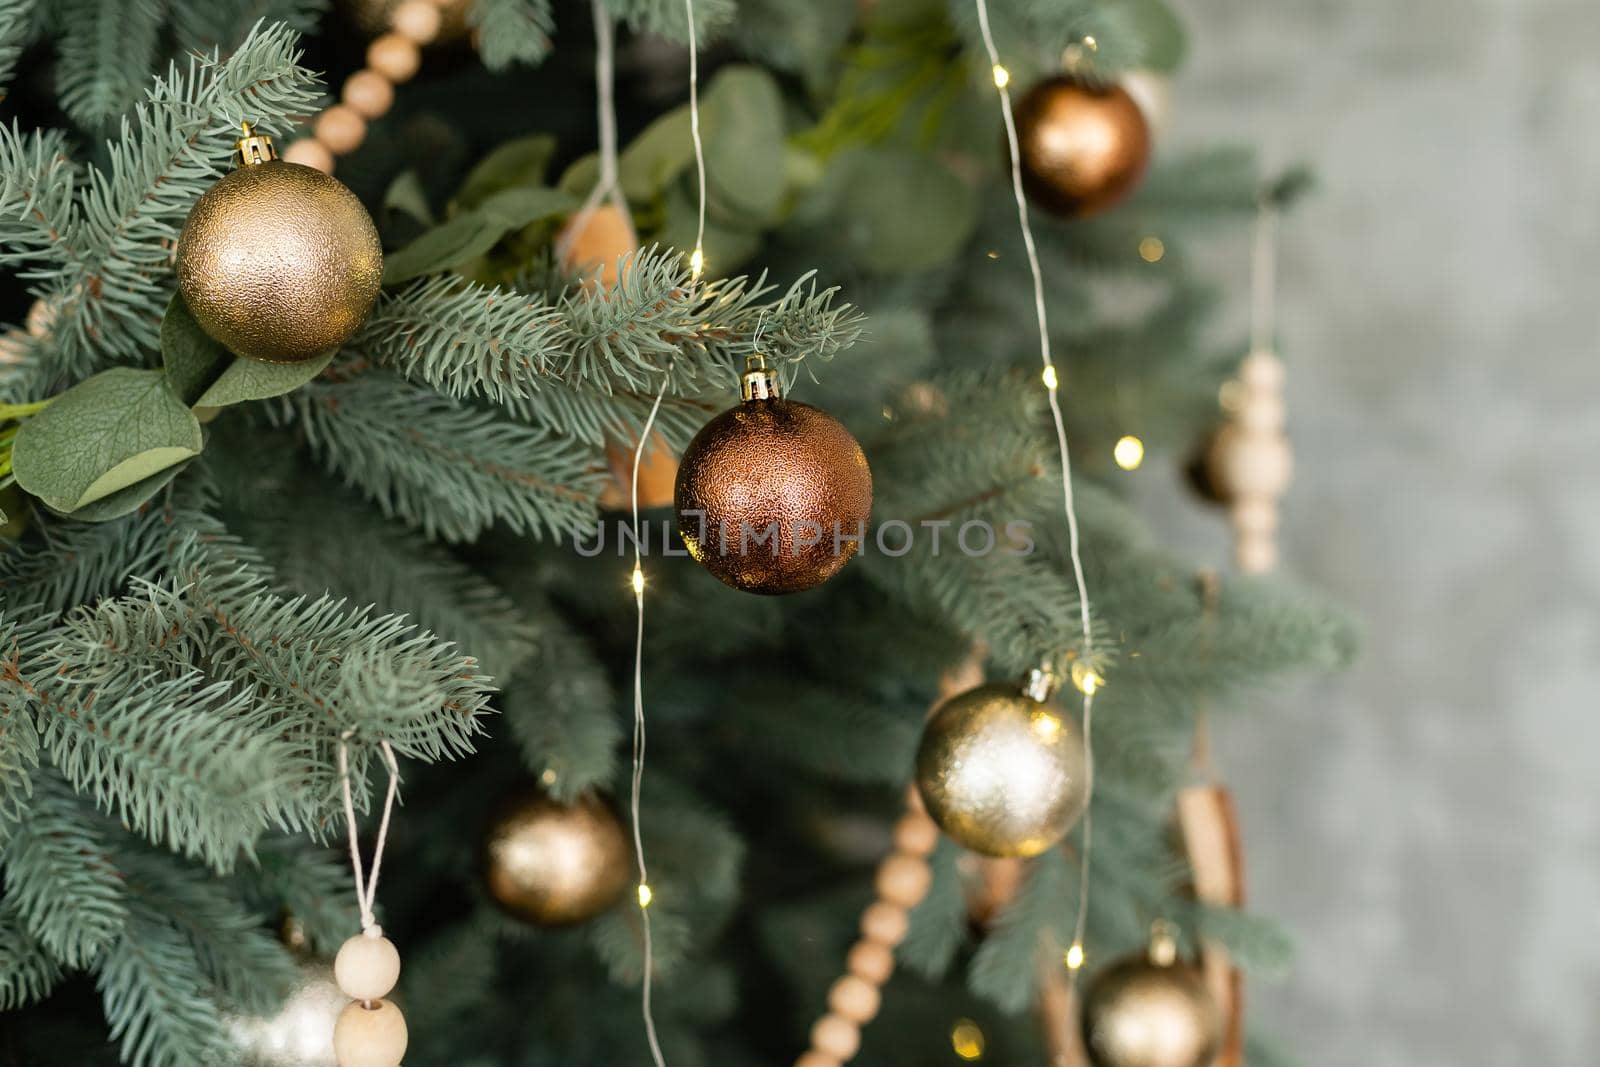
x=773, y=495
x=555, y=864
x=1140, y=1013
x=1083, y=146
x=300, y=1034
x=1002, y=773
x=279, y=262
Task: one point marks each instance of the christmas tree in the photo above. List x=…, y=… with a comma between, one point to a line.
x=261, y=536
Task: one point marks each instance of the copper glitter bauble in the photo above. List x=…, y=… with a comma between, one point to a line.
x=1002, y=773
x=279, y=262
x=1083, y=146
x=555, y=864
x=773, y=495
x=1138, y=1012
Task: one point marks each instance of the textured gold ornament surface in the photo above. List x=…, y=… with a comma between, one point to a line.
x=555, y=864
x=763, y=488
x=1083, y=146
x=1138, y=1013
x=279, y=262
x=1001, y=773
x=300, y=1034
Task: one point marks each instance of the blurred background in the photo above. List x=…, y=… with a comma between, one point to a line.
x=1428, y=823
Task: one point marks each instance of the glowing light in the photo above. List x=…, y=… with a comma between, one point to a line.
x=1090, y=43
x=1151, y=250
x=1050, y=379
x=645, y=895
x=966, y=1039
x=1085, y=678
x=1045, y=724
x=1002, y=76
x=638, y=580
x=1074, y=957
x=697, y=262
x=1129, y=452
x=549, y=776
x=993, y=253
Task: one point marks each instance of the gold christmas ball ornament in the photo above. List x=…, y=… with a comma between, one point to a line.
x=1001, y=769
x=1084, y=146
x=278, y=261
x=773, y=495
x=300, y=1034
x=555, y=864
x=1149, y=1010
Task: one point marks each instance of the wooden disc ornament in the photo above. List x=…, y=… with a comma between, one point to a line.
x=1002, y=769
x=1084, y=146
x=773, y=495
x=277, y=261
x=1149, y=1010
x=555, y=864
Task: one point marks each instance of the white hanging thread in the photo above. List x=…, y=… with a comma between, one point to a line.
x=367, y=888
x=1089, y=680
x=605, y=64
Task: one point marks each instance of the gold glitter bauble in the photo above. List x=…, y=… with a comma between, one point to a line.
x=1002, y=773
x=1140, y=1013
x=773, y=496
x=555, y=864
x=279, y=262
x=300, y=1034
x=1083, y=146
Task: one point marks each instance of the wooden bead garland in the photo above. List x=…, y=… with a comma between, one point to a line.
x=1251, y=463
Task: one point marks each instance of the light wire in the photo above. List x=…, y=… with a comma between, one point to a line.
x=1052, y=381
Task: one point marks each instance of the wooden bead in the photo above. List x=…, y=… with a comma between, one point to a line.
x=367, y=968
x=885, y=923
x=341, y=129
x=833, y=1035
x=370, y=1037
x=310, y=152
x=870, y=961
x=369, y=93
x=395, y=57
x=903, y=879
x=41, y=316
x=416, y=20
x=916, y=834
x=816, y=1059
x=855, y=999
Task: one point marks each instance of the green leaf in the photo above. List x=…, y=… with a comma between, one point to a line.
x=745, y=144
x=251, y=379
x=518, y=163
x=104, y=435
x=1162, y=32
x=898, y=211
x=662, y=151
x=405, y=196
x=472, y=233
x=191, y=357
x=126, y=501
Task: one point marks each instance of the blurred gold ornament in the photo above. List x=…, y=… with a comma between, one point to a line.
x=555, y=864
x=773, y=495
x=1148, y=1010
x=301, y=1033
x=1001, y=771
x=279, y=262
x=1084, y=146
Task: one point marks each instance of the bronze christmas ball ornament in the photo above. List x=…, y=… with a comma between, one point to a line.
x=555, y=864
x=277, y=261
x=1083, y=146
x=1002, y=769
x=1148, y=1010
x=773, y=495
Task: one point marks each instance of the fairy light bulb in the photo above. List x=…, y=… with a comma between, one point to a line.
x=1002, y=76
x=1051, y=381
x=697, y=262
x=638, y=580
x=646, y=895
x=1074, y=957
x=966, y=1040
x=1128, y=452
x=1086, y=679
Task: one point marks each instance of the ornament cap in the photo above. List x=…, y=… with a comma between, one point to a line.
x=253, y=148
x=758, y=382
x=1163, y=943
x=1040, y=684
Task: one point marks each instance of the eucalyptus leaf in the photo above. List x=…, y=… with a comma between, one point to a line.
x=405, y=196
x=519, y=163
x=103, y=435
x=1162, y=33
x=662, y=151
x=899, y=211
x=191, y=357
x=472, y=233
x=130, y=499
x=745, y=144
x=251, y=379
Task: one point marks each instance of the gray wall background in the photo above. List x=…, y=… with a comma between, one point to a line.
x=1429, y=824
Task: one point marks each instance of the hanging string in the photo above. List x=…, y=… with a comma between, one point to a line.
x=605, y=64
x=367, y=889
x=1086, y=679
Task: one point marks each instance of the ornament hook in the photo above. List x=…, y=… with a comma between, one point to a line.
x=253, y=148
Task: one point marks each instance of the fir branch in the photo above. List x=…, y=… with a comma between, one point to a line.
x=106, y=50
x=312, y=885
x=60, y=879
x=155, y=1002
x=80, y=562
x=17, y=23
x=112, y=280
x=38, y=208
x=223, y=23
x=512, y=31
x=1005, y=968
x=27, y=973
x=866, y=742
x=448, y=469
x=19, y=734
x=939, y=923
x=668, y=18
